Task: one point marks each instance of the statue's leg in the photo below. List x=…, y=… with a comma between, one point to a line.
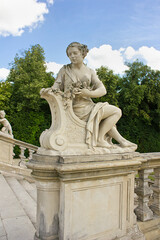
x=117, y=136
x=3, y=129
x=111, y=115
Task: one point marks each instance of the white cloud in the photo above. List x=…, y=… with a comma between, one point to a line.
x=4, y=73
x=53, y=67
x=106, y=56
x=50, y=1
x=150, y=55
x=115, y=59
x=16, y=15
x=129, y=53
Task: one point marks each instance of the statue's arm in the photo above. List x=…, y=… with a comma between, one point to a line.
x=58, y=84
x=98, y=87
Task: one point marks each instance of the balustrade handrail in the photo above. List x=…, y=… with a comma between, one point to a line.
x=150, y=160
x=26, y=145
x=14, y=141
x=23, y=146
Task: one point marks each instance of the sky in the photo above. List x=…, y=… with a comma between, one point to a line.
x=115, y=31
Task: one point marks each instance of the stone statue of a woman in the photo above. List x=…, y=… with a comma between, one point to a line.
x=101, y=118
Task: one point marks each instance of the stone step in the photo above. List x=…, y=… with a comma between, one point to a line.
x=14, y=223
x=30, y=188
x=151, y=229
x=9, y=205
x=33, y=185
x=153, y=235
x=26, y=201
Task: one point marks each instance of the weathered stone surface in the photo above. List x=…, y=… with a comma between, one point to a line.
x=151, y=229
x=2, y=230
x=29, y=188
x=28, y=204
x=156, y=190
x=87, y=198
x=9, y=205
x=143, y=191
x=3, y=238
x=19, y=228
x=6, y=148
x=14, y=221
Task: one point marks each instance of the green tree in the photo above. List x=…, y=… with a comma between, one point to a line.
x=28, y=111
x=110, y=81
x=28, y=75
x=5, y=95
x=139, y=99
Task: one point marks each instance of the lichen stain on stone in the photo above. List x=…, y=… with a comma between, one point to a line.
x=53, y=229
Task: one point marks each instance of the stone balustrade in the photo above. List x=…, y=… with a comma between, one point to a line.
x=147, y=190
x=23, y=146
x=7, y=149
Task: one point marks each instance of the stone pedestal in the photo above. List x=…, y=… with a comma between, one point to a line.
x=85, y=197
x=6, y=148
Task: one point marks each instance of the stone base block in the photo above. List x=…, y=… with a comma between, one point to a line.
x=91, y=199
x=95, y=209
x=6, y=150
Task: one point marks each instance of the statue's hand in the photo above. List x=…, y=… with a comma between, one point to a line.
x=76, y=91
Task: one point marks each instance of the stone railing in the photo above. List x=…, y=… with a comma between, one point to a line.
x=23, y=146
x=148, y=187
x=7, y=146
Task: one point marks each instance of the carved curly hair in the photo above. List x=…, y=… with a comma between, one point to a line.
x=81, y=47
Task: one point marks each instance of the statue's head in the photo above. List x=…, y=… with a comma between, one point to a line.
x=81, y=47
x=2, y=114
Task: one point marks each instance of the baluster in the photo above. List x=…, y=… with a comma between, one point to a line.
x=136, y=184
x=156, y=191
x=143, y=191
x=30, y=153
x=22, y=157
x=13, y=154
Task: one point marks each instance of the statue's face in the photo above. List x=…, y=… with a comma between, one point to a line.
x=75, y=55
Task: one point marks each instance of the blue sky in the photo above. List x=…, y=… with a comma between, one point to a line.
x=114, y=30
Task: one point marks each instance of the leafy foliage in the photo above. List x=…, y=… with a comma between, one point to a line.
x=28, y=75
x=5, y=94
x=139, y=98
x=29, y=114
x=110, y=81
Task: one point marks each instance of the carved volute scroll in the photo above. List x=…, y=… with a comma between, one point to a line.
x=53, y=137
x=57, y=137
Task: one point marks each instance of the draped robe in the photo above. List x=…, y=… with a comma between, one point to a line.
x=83, y=107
